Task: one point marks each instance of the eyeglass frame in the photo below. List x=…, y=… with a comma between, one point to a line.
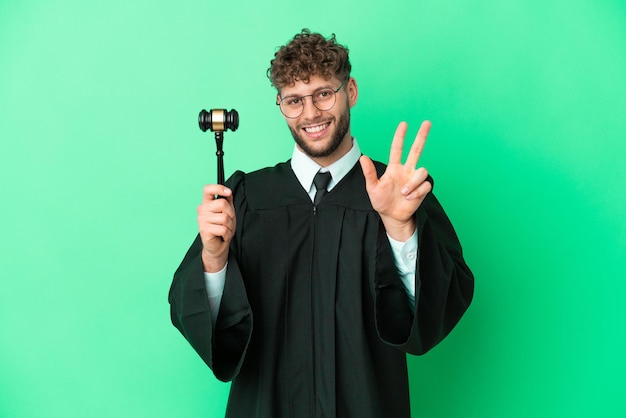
x=301, y=98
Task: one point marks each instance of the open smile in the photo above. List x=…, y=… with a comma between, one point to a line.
x=316, y=130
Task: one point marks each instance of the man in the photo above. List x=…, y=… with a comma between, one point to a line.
x=307, y=295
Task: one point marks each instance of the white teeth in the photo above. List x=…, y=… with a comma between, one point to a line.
x=315, y=129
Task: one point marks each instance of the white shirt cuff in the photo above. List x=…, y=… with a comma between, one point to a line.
x=405, y=256
x=214, y=283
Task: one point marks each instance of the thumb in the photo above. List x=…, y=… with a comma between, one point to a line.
x=369, y=171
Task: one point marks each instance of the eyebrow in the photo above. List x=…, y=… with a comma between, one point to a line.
x=302, y=95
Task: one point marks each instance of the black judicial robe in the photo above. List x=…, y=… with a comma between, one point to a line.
x=314, y=319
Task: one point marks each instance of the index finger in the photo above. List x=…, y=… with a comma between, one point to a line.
x=395, y=155
x=212, y=190
x=418, y=144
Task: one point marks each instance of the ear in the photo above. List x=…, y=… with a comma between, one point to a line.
x=353, y=91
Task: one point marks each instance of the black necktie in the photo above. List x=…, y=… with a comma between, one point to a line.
x=321, y=181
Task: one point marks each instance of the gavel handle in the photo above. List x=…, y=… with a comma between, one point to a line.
x=219, y=142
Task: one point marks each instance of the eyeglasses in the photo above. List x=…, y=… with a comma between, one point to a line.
x=323, y=99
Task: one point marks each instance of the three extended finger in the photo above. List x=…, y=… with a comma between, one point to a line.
x=418, y=144
x=395, y=154
x=369, y=171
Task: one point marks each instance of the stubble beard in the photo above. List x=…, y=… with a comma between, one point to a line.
x=343, y=124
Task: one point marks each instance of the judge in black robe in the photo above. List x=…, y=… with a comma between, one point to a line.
x=314, y=320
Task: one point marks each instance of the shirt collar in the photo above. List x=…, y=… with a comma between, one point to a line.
x=305, y=168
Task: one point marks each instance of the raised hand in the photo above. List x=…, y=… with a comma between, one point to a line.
x=216, y=223
x=398, y=193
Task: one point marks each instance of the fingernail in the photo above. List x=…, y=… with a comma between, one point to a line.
x=405, y=190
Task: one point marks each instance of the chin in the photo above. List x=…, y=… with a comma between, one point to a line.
x=327, y=144
x=319, y=148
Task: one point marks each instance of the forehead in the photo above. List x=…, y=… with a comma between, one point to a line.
x=301, y=88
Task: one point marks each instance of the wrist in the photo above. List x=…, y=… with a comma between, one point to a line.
x=212, y=263
x=399, y=230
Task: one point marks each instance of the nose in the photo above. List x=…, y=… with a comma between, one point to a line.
x=310, y=111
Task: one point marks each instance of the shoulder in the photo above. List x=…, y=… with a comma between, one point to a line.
x=269, y=187
x=263, y=175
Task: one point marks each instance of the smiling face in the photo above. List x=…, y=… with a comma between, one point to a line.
x=324, y=135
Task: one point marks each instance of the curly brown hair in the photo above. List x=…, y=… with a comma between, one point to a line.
x=306, y=55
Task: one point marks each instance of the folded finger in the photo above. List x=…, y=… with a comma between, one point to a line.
x=416, y=180
x=212, y=190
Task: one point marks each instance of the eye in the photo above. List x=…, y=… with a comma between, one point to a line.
x=324, y=94
x=292, y=101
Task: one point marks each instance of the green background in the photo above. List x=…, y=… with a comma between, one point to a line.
x=102, y=165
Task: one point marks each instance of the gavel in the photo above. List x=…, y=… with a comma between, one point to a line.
x=219, y=121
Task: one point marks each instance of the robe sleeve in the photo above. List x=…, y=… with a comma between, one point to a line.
x=444, y=285
x=222, y=348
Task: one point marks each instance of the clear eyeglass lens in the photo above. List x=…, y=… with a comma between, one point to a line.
x=293, y=106
x=324, y=99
